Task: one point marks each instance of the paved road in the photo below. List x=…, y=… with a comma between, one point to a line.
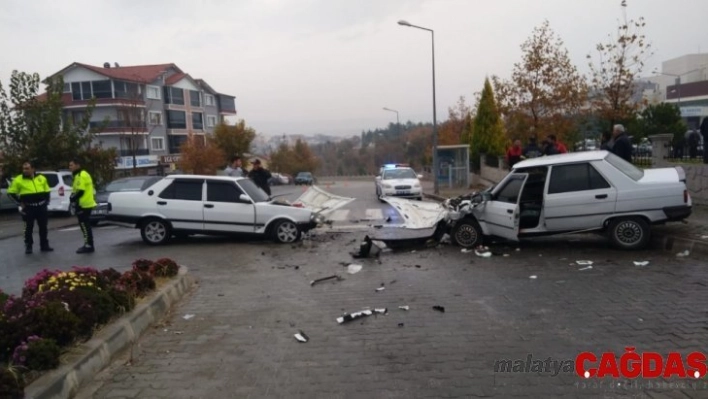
x=251, y=299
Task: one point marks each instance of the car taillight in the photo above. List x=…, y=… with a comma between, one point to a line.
x=61, y=191
x=685, y=196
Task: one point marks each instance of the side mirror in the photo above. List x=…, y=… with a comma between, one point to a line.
x=486, y=196
x=244, y=198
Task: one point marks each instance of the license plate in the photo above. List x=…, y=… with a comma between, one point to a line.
x=99, y=212
x=402, y=192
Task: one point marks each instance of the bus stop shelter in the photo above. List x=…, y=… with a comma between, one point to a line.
x=454, y=165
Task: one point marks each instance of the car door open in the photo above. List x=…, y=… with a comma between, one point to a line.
x=502, y=213
x=228, y=209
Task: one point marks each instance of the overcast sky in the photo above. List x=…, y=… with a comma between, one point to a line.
x=327, y=66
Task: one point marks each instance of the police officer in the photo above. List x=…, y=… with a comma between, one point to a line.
x=82, y=198
x=32, y=193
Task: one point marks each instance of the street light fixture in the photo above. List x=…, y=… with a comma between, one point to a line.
x=398, y=122
x=435, y=119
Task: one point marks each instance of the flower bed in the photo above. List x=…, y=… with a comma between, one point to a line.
x=60, y=308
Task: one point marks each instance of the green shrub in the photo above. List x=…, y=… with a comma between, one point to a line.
x=42, y=354
x=91, y=306
x=164, y=267
x=123, y=300
x=53, y=321
x=137, y=282
x=12, y=385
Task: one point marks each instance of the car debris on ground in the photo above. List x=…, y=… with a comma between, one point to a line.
x=357, y=315
x=301, y=336
x=319, y=280
x=404, y=307
x=439, y=308
x=641, y=263
x=188, y=316
x=354, y=268
x=683, y=254
x=585, y=268
x=583, y=262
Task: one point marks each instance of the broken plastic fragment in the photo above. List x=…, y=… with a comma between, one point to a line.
x=381, y=310
x=683, y=254
x=313, y=282
x=300, y=336
x=533, y=277
x=380, y=289
x=404, y=307
x=642, y=263
x=584, y=262
x=439, y=308
x=354, y=268
x=465, y=250
x=187, y=316
x=400, y=324
x=585, y=268
x=353, y=316
x=483, y=254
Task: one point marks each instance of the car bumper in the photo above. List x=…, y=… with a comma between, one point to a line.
x=58, y=206
x=307, y=226
x=99, y=212
x=128, y=221
x=413, y=193
x=676, y=213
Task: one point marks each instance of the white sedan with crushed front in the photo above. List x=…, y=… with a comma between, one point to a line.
x=181, y=205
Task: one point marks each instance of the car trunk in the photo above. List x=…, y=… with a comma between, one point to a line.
x=663, y=175
x=417, y=214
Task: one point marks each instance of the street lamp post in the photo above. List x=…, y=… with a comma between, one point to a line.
x=435, y=119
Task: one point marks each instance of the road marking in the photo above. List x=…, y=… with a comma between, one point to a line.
x=374, y=214
x=70, y=229
x=339, y=215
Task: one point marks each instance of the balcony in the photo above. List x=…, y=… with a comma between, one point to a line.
x=138, y=152
x=118, y=127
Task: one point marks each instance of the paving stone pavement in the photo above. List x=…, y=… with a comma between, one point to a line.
x=251, y=299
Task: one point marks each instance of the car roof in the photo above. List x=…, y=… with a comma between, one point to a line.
x=59, y=172
x=211, y=177
x=584, y=156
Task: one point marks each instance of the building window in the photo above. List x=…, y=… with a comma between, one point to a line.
x=76, y=91
x=195, y=98
x=174, y=95
x=153, y=92
x=209, y=100
x=155, y=117
x=102, y=89
x=67, y=87
x=197, y=121
x=211, y=120
x=176, y=143
x=157, y=144
x=176, y=119
x=85, y=90
x=127, y=90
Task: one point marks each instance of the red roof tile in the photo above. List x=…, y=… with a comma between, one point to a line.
x=174, y=78
x=137, y=73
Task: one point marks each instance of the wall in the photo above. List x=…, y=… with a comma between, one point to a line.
x=492, y=174
x=696, y=179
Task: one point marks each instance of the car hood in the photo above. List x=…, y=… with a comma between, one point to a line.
x=418, y=214
x=320, y=201
x=663, y=175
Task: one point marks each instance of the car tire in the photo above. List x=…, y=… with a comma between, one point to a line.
x=95, y=223
x=629, y=233
x=419, y=198
x=285, y=232
x=155, y=231
x=467, y=233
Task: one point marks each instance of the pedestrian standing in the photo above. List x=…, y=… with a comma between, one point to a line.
x=260, y=176
x=607, y=141
x=560, y=147
x=31, y=192
x=622, y=146
x=83, y=199
x=549, y=147
x=514, y=154
x=704, y=133
x=235, y=169
x=532, y=149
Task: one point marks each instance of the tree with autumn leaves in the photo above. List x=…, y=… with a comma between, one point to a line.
x=546, y=93
x=200, y=155
x=293, y=159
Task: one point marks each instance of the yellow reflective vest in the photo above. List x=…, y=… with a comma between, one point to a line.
x=32, y=191
x=83, y=182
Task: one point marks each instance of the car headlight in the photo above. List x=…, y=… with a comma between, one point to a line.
x=417, y=185
x=387, y=186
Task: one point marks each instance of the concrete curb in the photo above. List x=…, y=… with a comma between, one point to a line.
x=666, y=242
x=91, y=357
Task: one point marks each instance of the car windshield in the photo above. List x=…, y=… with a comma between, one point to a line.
x=253, y=191
x=304, y=174
x=625, y=167
x=125, y=185
x=399, y=174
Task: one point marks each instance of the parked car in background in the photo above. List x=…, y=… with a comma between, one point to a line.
x=5, y=201
x=60, y=184
x=559, y=194
x=218, y=205
x=305, y=178
x=126, y=184
x=278, y=179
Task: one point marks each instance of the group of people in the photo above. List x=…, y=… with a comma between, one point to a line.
x=549, y=146
x=616, y=142
x=260, y=175
x=32, y=193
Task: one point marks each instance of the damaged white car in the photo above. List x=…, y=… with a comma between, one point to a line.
x=582, y=192
x=182, y=205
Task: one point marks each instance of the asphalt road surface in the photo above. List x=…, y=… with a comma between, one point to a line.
x=253, y=295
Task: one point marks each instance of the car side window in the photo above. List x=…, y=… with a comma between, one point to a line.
x=510, y=192
x=186, y=190
x=577, y=177
x=52, y=179
x=219, y=191
x=68, y=180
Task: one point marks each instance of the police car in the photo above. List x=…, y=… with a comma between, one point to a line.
x=398, y=180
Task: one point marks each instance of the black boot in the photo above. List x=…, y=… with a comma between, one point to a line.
x=28, y=249
x=46, y=248
x=85, y=250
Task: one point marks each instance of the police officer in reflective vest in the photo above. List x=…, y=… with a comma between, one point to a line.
x=82, y=198
x=32, y=193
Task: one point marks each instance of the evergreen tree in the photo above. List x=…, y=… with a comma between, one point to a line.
x=488, y=131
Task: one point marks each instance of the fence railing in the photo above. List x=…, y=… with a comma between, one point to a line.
x=685, y=153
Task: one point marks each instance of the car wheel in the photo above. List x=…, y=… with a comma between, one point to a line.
x=155, y=231
x=285, y=232
x=419, y=198
x=629, y=233
x=467, y=233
